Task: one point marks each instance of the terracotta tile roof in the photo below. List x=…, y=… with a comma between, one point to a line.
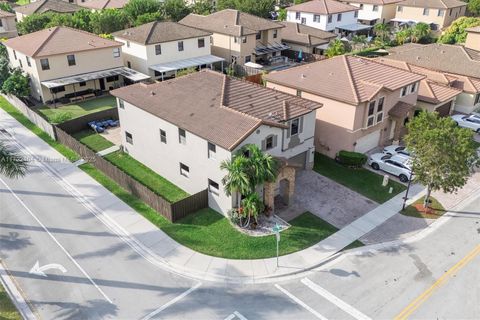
x=349, y=79
x=440, y=57
x=41, y=6
x=103, y=4
x=58, y=40
x=377, y=2
x=158, y=32
x=400, y=109
x=441, y=4
x=302, y=34
x=322, y=7
x=231, y=22
x=5, y=14
x=215, y=107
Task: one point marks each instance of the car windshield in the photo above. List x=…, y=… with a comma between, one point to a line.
x=386, y=157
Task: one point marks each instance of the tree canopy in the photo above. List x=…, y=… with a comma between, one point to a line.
x=474, y=7
x=335, y=48
x=261, y=8
x=456, y=31
x=17, y=84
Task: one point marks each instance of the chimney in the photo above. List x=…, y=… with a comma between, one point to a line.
x=286, y=110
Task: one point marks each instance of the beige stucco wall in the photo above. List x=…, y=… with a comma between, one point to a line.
x=473, y=41
x=465, y=102
x=8, y=28
x=416, y=14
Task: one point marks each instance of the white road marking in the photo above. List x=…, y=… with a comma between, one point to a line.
x=335, y=300
x=236, y=314
x=301, y=303
x=36, y=269
x=173, y=301
x=56, y=241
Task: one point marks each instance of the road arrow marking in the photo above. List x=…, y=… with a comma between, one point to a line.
x=39, y=271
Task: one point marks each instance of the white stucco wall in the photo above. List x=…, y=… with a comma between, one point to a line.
x=367, y=12
x=465, y=102
x=347, y=18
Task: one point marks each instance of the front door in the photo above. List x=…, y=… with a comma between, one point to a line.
x=102, y=84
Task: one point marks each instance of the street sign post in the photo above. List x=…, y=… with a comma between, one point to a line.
x=277, y=230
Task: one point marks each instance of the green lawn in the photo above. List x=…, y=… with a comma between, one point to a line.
x=22, y=2
x=75, y=110
x=412, y=210
x=7, y=308
x=67, y=152
x=361, y=180
x=93, y=140
x=146, y=176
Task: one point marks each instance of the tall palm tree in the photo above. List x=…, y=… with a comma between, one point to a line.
x=335, y=48
x=420, y=31
x=262, y=167
x=403, y=35
x=12, y=164
x=236, y=180
x=382, y=30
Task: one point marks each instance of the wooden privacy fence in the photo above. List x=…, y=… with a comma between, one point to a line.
x=171, y=211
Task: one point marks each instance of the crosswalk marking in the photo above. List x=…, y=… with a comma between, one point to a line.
x=234, y=315
x=301, y=303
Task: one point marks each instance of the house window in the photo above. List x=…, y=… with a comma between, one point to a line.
x=304, y=21
x=129, y=64
x=244, y=39
x=213, y=187
x=212, y=150
x=128, y=44
x=339, y=17
x=116, y=52
x=182, y=137
x=450, y=12
x=235, y=39
x=112, y=78
x=58, y=89
x=400, y=8
x=121, y=104
x=158, y=49
x=381, y=101
x=248, y=59
x=477, y=99
x=129, y=137
x=441, y=12
x=361, y=6
x=270, y=142
x=426, y=11
x=20, y=61
x=355, y=14
x=71, y=60
x=82, y=84
x=299, y=93
x=180, y=45
x=297, y=15
x=371, y=114
x=15, y=54
x=201, y=42
x=44, y=63
x=184, y=170
x=375, y=8
x=330, y=18
x=275, y=34
x=294, y=127
x=403, y=93
x=163, y=136
x=414, y=87
x=1, y=23
x=258, y=36
x=316, y=18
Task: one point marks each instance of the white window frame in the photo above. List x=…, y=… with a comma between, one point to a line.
x=212, y=189
x=211, y=151
x=316, y=18
x=297, y=120
x=127, y=138
x=158, y=49
x=373, y=115
x=441, y=13
x=403, y=92
x=375, y=8
x=121, y=104
x=426, y=12
x=184, y=171
x=182, y=136
x=298, y=15
x=163, y=136
x=116, y=52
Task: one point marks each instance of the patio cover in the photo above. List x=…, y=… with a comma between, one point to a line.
x=271, y=48
x=120, y=71
x=355, y=27
x=187, y=63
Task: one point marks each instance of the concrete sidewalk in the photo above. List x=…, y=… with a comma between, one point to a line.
x=157, y=247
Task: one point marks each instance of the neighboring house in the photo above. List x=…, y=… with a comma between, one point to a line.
x=211, y=118
x=42, y=6
x=8, y=25
x=436, y=91
x=327, y=15
x=365, y=103
x=305, y=39
x=240, y=37
x=439, y=14
x=159, y=49
x=375, y=11
x=65, y=63
x=460, y=64
x=473, y=38
x=102, y=4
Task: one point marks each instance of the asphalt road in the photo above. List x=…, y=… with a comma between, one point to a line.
x=104, y=277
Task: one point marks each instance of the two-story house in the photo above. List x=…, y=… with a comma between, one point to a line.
x=160, y=49
x=212, y=118
x=460, y=64
x=327, y=15
x=439, y=14
x=63, y=63
x=375, y=11
x=305, y=39
x=8, y=25
x=240, y=37
x=365, y=103
x=42, y=6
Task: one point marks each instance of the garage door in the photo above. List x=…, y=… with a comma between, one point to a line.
x=299, y=160
x=368, y=142
x=444, y=110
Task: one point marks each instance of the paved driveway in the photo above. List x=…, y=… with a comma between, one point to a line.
x=327, y=199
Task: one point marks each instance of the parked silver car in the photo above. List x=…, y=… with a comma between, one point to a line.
x=397, y=165
x=468, y=121
x=396, y=149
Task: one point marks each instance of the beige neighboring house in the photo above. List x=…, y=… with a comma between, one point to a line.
x=8, y=25
x=439, y=14
x=42, y=6
x=213, y=116
x=365, y=103
x=300, y=37
x=102, y=4
x=160, y=49
x=473, y=38
x=66, y=64
x=241, y=37
x=460, y=64
x=372, y=12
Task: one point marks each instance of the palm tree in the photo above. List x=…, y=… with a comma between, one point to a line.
x=262, y=167
x=252, y=206
x=359, y=40
x=382, y=30
x=403, y=35
x=335, y=48
x=12, y=164
x=236, y=181
x=420, y=31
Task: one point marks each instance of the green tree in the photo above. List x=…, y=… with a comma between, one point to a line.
x=236, y=181
x=108, y=21
x=186, y=71
x=252, y=206
x=4, y=69
x=474, y=7
x=335, y=48
x=443, y=153
x=282, y=14
x=421, y=31
x=5, y=6
x=57, y=19
x=203, y=7
x=136, y=8
x=456, y=33
x=359, y=42
x=81, y=20
x=17, y=84
x=261, y=8
x=147, y=17
x=174, y=10
x=382, y=31
x=12, y=164
x=403, y=35
x=34, y=22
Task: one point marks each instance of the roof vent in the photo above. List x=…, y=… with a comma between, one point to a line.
x=417, y=58
x=303, y=76
x=443, y=51
x=152, y=93
x=330, y=74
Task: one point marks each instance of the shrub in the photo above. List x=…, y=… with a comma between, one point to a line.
x=351, y=159
x=61, y=117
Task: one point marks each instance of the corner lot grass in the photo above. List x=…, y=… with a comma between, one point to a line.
x=7, y=308
x=11, y=110
x=360, y=180
x=416, y=209
x=79, y=109
x=93, y=140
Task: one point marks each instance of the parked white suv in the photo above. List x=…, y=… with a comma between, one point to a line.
x=396, y=149
x=397, y=165
x=468, y=121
